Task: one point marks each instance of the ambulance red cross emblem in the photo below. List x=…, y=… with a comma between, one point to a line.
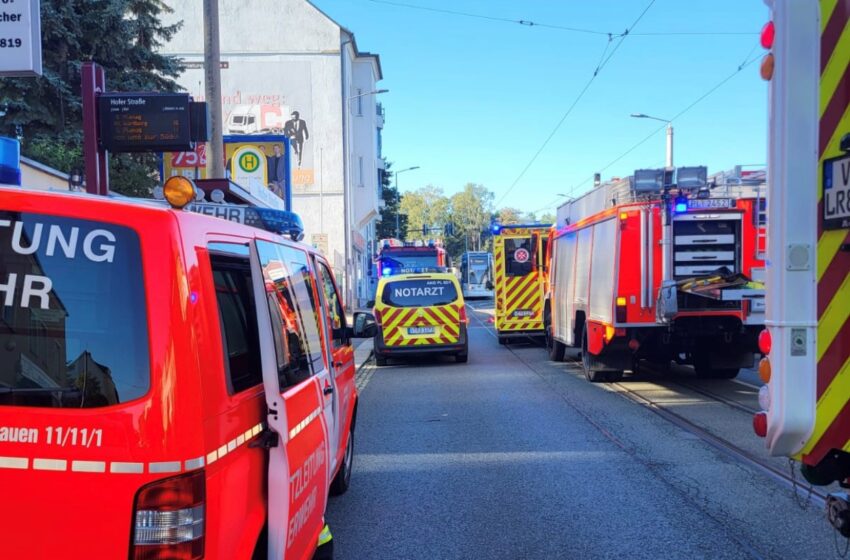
x=521, y=255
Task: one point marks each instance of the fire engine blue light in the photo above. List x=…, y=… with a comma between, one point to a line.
x=10, y=161
x=496, y=228
x=681, y=207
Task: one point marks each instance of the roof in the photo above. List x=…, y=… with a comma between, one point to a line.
x=357, y=52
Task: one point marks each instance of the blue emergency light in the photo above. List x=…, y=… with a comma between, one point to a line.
x=386, y=272
x=495, y=228
x=10, y=161
x=681, y=204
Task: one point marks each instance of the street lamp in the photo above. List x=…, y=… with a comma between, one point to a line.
x=375, y=92
x=398, y=199
x=669, y=135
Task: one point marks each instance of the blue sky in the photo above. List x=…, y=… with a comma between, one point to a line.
x=472, y=100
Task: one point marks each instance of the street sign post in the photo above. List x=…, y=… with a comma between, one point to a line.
x=20, y=38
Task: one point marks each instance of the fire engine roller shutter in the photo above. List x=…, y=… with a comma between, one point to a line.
x=832, y=422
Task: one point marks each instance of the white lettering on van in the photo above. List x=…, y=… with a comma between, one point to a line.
x=10, y=434
x=105, y=252
x=18, y=234
x=98, y=244
x=300, y=479
x=69, y=246
x=34, y=286
x=301, y=517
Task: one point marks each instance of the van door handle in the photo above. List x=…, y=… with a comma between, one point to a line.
x=328, y=390
x=338, y=365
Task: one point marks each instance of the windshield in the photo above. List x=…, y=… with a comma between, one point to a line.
x=419, y=293
x=479, y=270
x=73, y=329
x=407, y=263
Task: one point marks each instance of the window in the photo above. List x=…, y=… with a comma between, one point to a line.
x=359, y=102
x=360, y=171
x=519, y=255
x=237, y=313
x=74, y=330
x=294, y=312
x=419, y=293
x=336, y=315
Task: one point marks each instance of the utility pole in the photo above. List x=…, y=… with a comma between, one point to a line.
x=212, y=83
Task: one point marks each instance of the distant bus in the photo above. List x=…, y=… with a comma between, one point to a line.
x=476, y=274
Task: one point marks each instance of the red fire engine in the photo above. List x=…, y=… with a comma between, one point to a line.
x=400, y=257
x=172, y=385
x=658, y=267
x=806, y=399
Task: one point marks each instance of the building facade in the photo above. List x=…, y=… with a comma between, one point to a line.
x=289, y=69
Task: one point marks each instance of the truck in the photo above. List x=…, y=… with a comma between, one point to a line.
x=257, y=119
x=402, y=257
x=806, y=397
x=660, y=267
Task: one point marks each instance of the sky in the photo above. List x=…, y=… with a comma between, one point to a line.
x=473, y=99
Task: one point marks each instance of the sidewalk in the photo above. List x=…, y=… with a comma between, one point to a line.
x=362, y=352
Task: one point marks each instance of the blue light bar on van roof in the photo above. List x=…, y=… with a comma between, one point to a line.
x=269, y=219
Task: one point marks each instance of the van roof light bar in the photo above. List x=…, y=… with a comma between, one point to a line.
x=281, y=222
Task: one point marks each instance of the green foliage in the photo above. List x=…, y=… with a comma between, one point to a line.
x=387, y=226
x=46, y=112
x=425, y=206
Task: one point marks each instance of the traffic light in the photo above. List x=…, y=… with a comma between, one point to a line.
x=449, y=229
x=425, y=230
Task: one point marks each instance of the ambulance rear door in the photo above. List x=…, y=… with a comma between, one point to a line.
x=298, y=434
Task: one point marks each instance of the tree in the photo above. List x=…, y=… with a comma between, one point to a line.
x=425, y=206
x=547, y=218
x=46, y=112
x=471, y=210
x=392, y=209
x=510, y=215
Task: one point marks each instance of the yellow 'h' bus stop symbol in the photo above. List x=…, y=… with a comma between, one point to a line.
x=249, y=162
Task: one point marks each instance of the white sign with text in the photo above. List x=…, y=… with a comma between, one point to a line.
x=20, y=38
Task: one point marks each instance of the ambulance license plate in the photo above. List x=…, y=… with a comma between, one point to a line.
x=420, y=330
x=522, y=313
x=836, y=193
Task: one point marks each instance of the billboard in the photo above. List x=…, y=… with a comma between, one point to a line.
x=262, y=164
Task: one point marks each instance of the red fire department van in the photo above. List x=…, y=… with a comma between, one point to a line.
x=172, y=385
x=806, y=399
x=642, y=269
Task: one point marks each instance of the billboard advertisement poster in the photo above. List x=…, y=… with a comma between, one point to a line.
x=274, y=164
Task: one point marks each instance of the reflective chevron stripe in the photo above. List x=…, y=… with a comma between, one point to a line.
x=832, y=420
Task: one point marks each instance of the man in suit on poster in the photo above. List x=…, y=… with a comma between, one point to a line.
x=296, y=130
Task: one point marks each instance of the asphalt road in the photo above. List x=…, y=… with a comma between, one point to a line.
x=512, y=456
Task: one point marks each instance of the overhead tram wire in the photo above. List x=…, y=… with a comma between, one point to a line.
x=529, y=23
x=693, y=104
x=599, y=67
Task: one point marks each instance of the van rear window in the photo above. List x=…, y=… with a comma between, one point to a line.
x=419, y=293
x=73, y=326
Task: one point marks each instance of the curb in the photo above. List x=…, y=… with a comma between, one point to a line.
x=366, y=362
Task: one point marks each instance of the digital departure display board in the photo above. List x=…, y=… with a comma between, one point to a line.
x=145, y=122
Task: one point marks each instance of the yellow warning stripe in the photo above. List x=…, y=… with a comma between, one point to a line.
x=829, y=405
x=826, y=9
x=834, y=317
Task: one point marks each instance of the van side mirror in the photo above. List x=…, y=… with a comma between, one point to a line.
x=370, y=303
x=364, y=325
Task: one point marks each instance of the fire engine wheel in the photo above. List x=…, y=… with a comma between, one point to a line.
x=342, y=480
x=593, y=370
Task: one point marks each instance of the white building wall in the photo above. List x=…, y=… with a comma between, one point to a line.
x=286, y=56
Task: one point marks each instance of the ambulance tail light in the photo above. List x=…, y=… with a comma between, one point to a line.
x=379, y=318
x=463, y=318
x=169, y=519
x=760, y=424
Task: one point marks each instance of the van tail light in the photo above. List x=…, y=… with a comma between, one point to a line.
x=169, y=519
x=379, y=318
x=463, y=318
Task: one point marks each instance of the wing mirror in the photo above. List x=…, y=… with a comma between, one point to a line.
x=364, y=325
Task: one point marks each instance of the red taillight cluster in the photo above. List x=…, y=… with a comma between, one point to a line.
x=462, y=312
x=760, y=418
x=768, y=63
x=378, y=317
x=168, y=519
